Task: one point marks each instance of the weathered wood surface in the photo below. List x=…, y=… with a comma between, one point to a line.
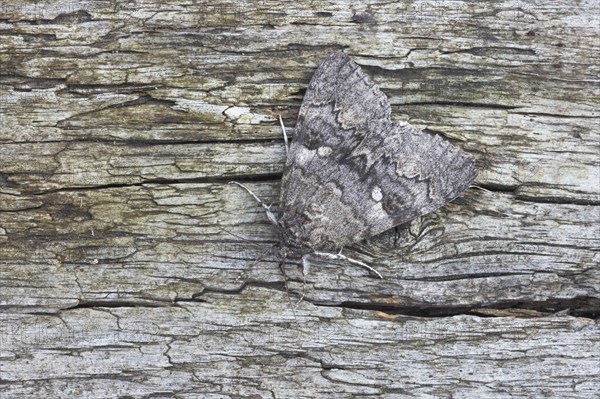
x=123, y=251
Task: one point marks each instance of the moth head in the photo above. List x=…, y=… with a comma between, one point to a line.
x=290, y=244
x=283, y=252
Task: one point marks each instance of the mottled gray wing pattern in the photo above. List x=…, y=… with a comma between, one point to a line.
x=351, y=173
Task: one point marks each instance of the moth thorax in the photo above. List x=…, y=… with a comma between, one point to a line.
x=289, y=240
x=312, y=212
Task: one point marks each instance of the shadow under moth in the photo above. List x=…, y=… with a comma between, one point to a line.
x=351, y=173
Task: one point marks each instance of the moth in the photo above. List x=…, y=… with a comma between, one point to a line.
x=351, y=173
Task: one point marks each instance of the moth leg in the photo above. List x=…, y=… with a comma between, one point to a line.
x=305, y=264
x=285, y=283
x=305, y=269
x=480, y=188
x=285, y=137
x=357, y=262
x=270, y=214
x=339, y=256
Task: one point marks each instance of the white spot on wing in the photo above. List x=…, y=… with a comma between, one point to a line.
x=376, y=194
x=324, y=151
x=304, y=155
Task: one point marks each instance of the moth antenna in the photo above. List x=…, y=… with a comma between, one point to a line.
x=285, y=137
x=258, y=259
x=285, y=283
x=233, y=234
x=339, y=256
x=270, y=214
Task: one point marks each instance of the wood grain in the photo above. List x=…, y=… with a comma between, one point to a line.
x=125, y=255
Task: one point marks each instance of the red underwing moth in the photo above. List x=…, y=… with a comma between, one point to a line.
x=351, y=173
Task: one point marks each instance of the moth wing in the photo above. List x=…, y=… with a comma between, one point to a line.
x=351, y=173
